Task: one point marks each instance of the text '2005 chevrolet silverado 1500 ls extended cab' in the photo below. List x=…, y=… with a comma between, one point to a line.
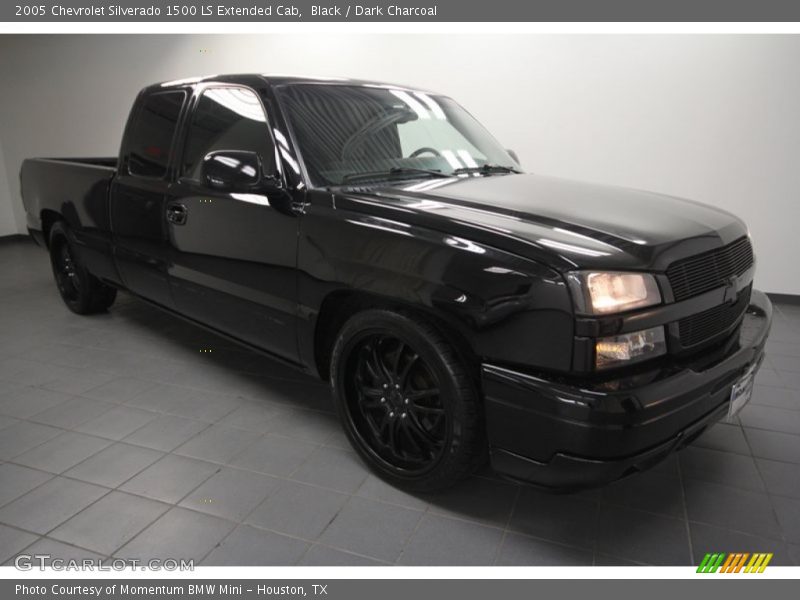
x=378, y=237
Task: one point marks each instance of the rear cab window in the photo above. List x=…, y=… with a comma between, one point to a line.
x=152, y=133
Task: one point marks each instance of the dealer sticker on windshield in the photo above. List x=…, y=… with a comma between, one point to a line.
x=741, y=392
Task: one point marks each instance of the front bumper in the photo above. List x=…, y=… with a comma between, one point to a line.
x=562, y=435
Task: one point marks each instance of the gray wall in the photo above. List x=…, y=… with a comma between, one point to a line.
x=712, y=117
x=8, y=222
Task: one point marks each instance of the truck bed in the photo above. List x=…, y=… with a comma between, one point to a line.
x=76, y=189
x=98, y=161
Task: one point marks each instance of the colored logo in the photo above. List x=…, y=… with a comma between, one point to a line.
x=736, y=562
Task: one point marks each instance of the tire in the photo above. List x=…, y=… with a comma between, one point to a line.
x=406, y=401
x=81, y=291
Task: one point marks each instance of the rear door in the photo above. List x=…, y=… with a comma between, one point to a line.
x=233, y=254
x=138, y=196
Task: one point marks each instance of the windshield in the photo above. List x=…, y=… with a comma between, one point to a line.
x=347, y=133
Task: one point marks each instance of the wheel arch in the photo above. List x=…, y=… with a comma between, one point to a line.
x=49, y=218
x=340, y=305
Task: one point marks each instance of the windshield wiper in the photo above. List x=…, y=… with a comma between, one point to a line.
x=486, y=169
x=391, y=173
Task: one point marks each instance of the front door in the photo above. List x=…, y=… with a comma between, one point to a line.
x=233, y=254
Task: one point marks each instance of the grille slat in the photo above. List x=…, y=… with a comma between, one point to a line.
x=701, y=273
x=698, y=328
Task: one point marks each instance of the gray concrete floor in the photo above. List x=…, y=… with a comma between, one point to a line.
x=119, y=438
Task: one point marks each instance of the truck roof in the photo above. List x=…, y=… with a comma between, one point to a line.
x=274, y=79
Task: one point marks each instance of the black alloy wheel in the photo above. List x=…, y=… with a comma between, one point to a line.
x=81, y=291
x=67, y=278
x=405, y=399
x=395, y=400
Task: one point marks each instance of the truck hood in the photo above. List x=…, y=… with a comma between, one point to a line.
x=581, y=225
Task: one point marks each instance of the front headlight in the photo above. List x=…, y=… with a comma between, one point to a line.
x=629, y=347
x=602, y=293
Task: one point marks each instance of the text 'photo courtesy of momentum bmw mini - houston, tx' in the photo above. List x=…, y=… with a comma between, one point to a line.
x=378, y=237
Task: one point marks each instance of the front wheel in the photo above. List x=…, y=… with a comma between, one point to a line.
x=81, y=291
x=406, y=401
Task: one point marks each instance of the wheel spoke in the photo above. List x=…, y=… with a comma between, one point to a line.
x=379, y=430
x=394, y=403
x=427, y=445
x=417, y=427
x=410, y=437
x=397, y=356
x=407, y=369
x=370, y=404
x=378, y=364
x=369, y=396
x=392, y=439
x=371, y=392
x=375, y=429
x=420, y=394
x=430, y=410
x=367, y=364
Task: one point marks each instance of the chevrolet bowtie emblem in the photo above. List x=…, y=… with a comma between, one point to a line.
x=731, y=289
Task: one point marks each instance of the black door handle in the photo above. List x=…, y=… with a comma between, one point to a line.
x=177, y=214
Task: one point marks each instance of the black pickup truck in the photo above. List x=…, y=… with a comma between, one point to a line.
x=378, y=237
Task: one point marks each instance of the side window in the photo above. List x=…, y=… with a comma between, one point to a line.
x=152, y=133
x=227, y=118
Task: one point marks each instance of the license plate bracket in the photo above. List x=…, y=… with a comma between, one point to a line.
x=741, y=392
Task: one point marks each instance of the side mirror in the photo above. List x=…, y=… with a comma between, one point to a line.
x=231, y=170
x=513, y=155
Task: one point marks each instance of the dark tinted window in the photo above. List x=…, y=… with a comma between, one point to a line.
x=152, y=133
x=227, y=118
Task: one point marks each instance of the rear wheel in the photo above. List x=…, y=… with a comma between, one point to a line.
x=81, y=291
x=406, y=401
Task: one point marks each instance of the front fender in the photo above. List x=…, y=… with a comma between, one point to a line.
x=509, y=309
